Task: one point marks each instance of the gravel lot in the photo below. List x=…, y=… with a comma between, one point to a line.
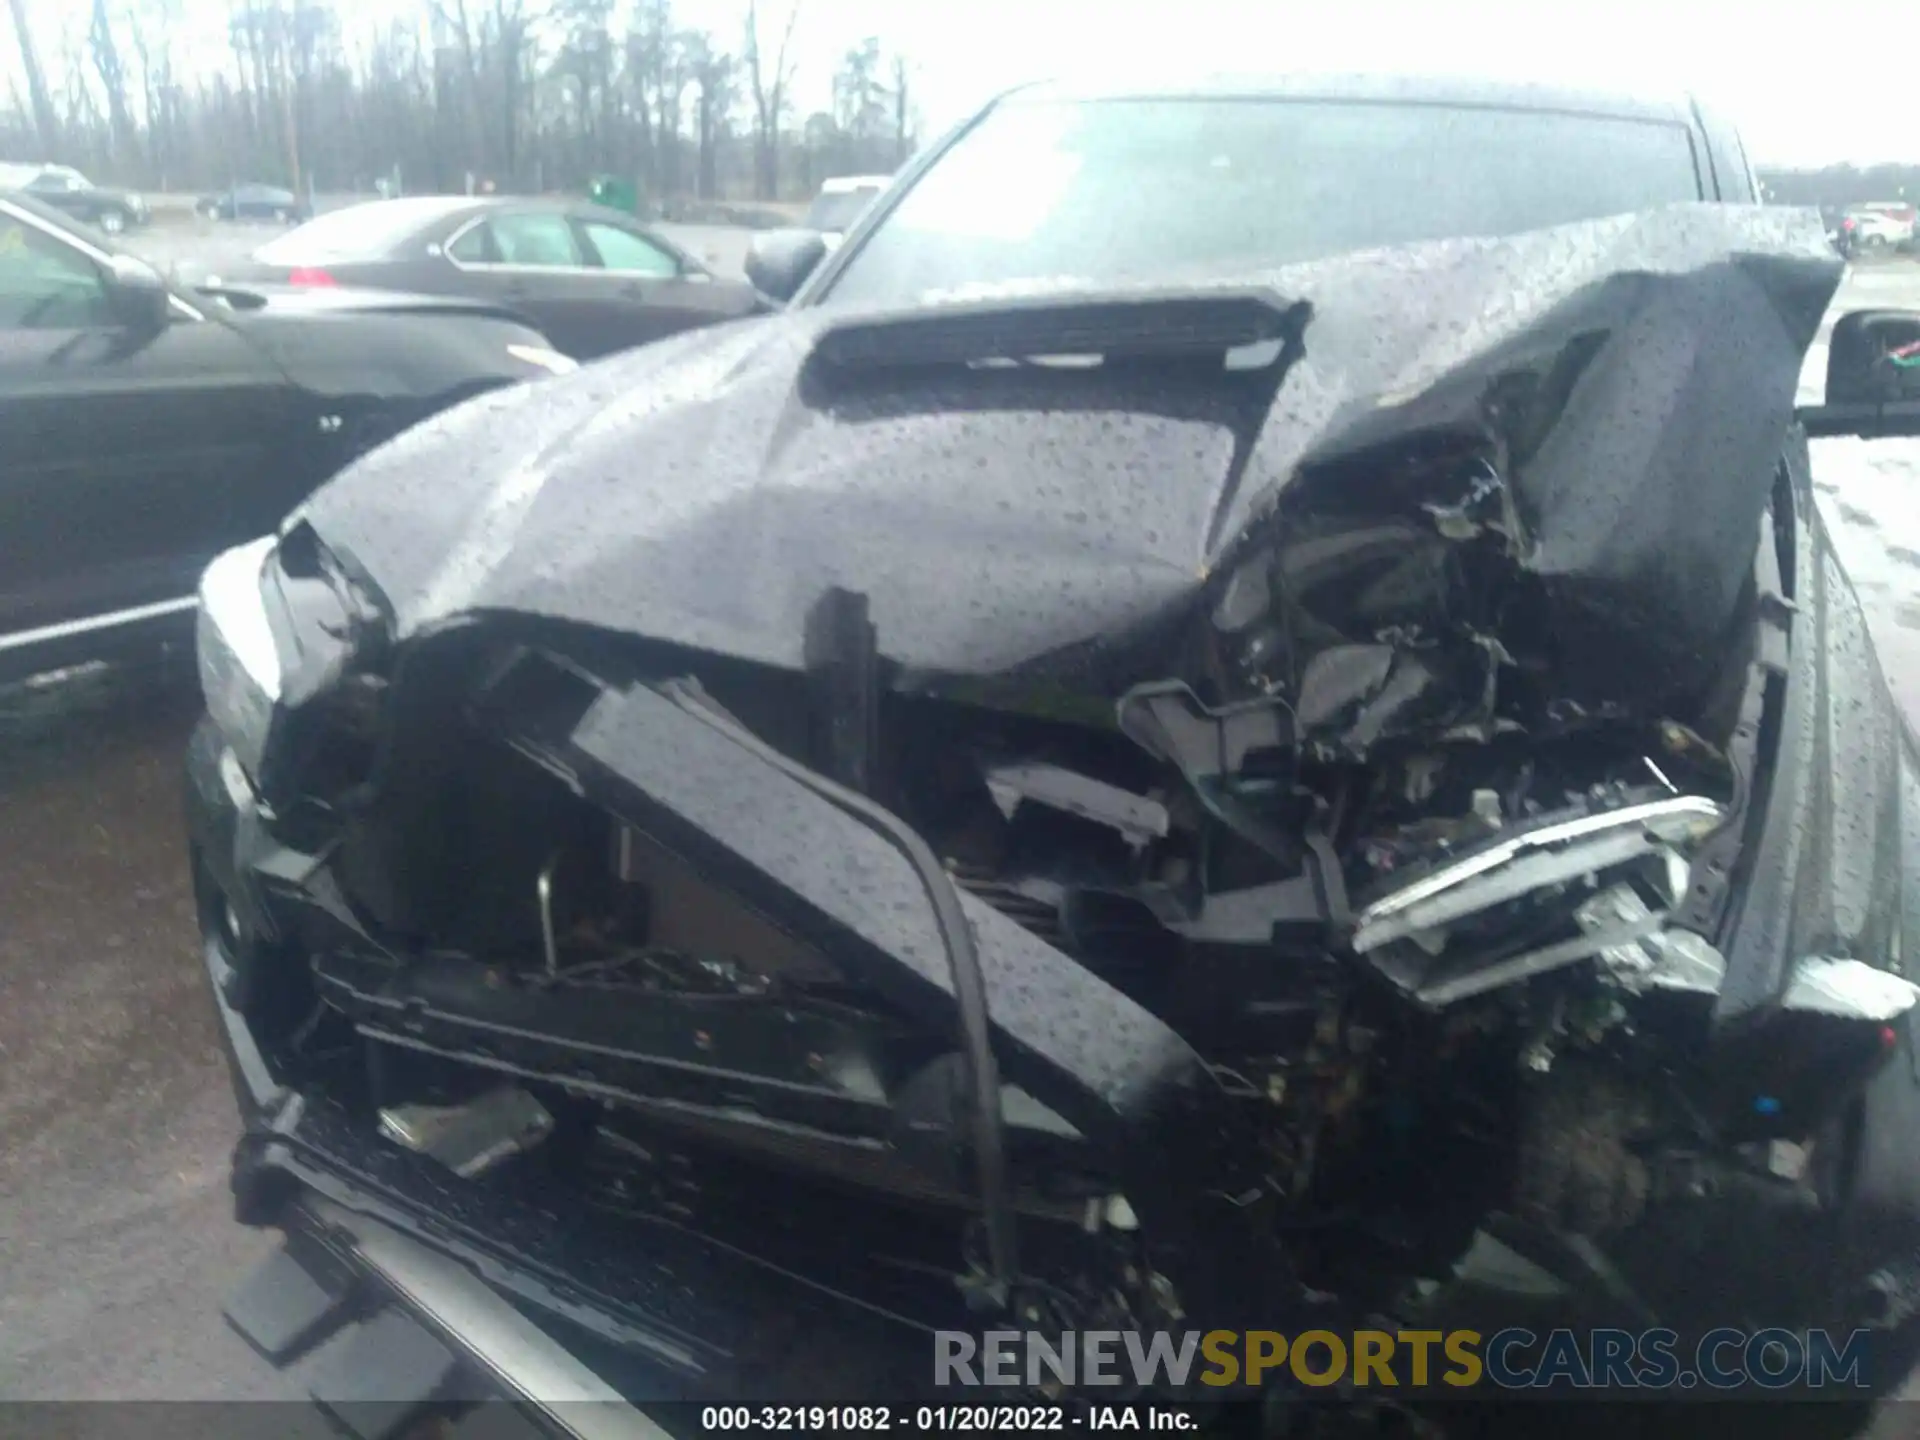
x=116, y=1248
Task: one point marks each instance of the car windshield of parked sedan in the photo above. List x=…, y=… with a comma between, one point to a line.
x=1109, y=191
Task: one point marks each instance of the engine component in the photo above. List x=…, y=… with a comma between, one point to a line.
x=470, y=1139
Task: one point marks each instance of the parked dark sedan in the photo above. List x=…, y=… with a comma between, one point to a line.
x=593, y=280
x=1234, y=771
x=143, y=430
x=254, y=202
x=65, y=189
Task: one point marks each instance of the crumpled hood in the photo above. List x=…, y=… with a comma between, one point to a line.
x=1632, y=379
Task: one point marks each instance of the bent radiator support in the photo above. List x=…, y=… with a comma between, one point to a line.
x=1111, y=1069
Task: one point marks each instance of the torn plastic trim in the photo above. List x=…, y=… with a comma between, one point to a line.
x=1663, y=957
x=1249, y=916
x=1139, y=818
x=1848, y=990
x=1169, y=721
x=1511, y=866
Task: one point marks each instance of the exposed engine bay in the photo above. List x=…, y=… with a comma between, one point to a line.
x=1265, y=1021
x=1343, y=914
x=1386, y=994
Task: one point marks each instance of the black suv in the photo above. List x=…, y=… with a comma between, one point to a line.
x=65, y=189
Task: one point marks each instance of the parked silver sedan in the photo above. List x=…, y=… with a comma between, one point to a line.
x=593, y=280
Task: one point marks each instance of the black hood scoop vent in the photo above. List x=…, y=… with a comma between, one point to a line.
x=1135, y=325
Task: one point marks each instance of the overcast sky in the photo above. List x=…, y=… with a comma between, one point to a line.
x=1837, y=82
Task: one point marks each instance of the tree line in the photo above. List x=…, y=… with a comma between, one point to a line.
x=524, y=95
x=1834, y=187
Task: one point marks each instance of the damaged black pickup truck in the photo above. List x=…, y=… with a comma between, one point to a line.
x=1147, y=790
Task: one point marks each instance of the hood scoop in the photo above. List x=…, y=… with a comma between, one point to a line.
x=1146, y=324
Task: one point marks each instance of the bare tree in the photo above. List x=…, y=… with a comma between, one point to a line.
x=769, y=99
x=870, y=126
x=82, y=110
x=508, y=36
x=113, y=80
x=540, y=93
x=859, y=99
x=153, y=48
x=586, y=59
x=902, y=113
x=453, y=15
x=43, y=117
x=714, y=96
x=268, y=29
x=647, y=60
x=243, y=36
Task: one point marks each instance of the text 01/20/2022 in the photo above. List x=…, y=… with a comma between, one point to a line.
x=936, y=1418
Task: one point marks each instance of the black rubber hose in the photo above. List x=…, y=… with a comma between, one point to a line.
x=963, y=960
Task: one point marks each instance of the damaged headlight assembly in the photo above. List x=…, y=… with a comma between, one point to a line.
x=240, y=673
x=279, y=625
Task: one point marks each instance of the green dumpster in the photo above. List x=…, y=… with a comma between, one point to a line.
x=615, y=193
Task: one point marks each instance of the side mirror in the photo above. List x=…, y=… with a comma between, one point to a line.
x=1873, y=376
x=139, y=295
x=1874, y=356
x=779, y=261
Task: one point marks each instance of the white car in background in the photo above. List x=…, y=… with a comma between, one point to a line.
x=1881, y=226
x=841, y=202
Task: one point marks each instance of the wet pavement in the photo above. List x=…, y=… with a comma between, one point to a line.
x=116, y=1120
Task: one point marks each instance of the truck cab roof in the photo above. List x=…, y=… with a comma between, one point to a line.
x=1414, y=89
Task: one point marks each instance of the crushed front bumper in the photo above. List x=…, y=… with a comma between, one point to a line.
x=408, y=1331
x=589, y=1319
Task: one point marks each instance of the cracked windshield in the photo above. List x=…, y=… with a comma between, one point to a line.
x=822, y=715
